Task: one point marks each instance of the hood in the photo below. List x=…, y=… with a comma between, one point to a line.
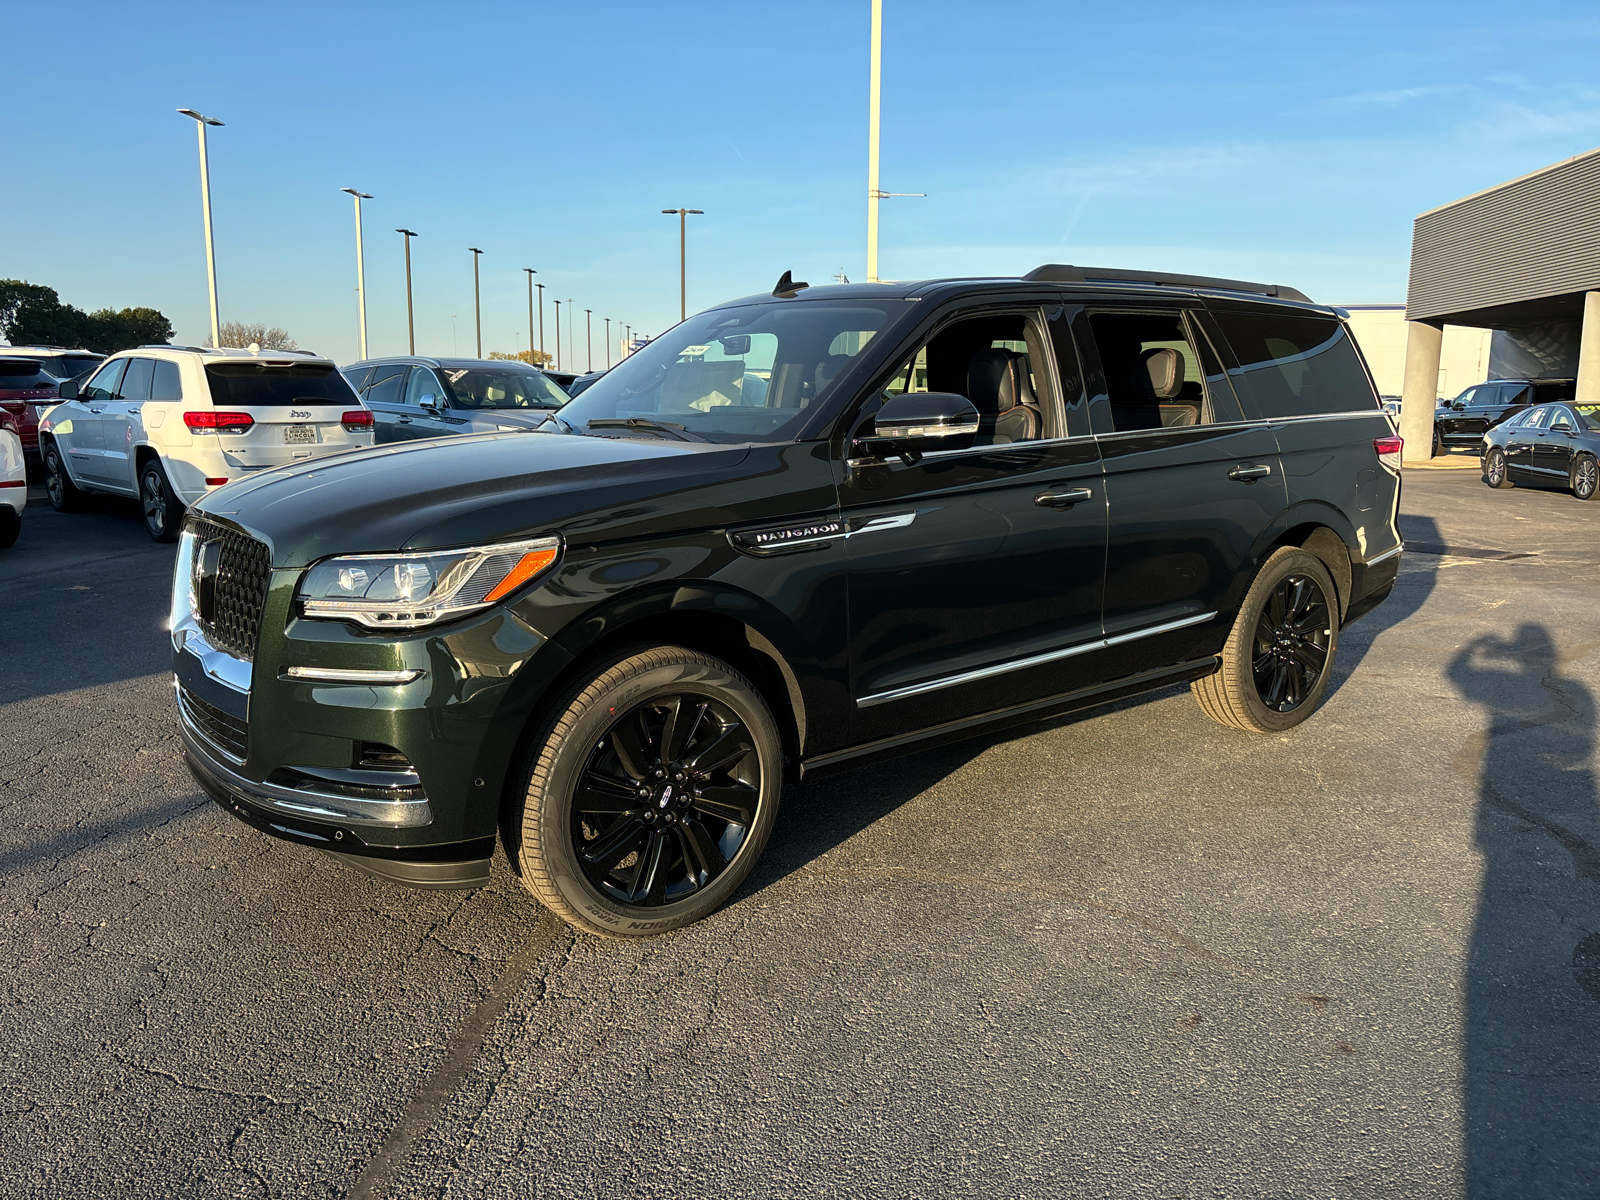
x=473, y=489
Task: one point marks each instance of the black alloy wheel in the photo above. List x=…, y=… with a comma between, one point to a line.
x=1278, y=660
x=163, y=511
x=1585, y=477
x=65, y=496
x=666, y=799
x=1494, y=468
x=652, y=787
x=1291, y=643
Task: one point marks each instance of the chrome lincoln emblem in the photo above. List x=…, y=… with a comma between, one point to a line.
x=666, y=797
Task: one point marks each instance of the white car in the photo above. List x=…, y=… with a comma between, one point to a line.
x=170, y=423
x=13, y=481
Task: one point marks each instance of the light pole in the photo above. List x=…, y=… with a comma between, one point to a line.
x=411, y=325
x=205, y=209
x=588, y=337
x=530, y=273
x=572, y=335
x=477, y=306
x=540, y=286
x=558, y=335
x=874, y=192
x=683, y=253
x=608, y=343
x=361, y=269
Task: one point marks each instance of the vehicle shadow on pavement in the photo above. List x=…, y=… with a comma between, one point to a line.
x=133, y=823
x=1531, y=1112
x=1418, y=576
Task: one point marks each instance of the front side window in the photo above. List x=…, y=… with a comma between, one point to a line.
x=991, y=361
x=423, y=385
x=1154, y=374
x=104, y=384
x=136, y=382
x=499, y=387
x=752, y=373
x=1559, y=419
x=1294, y=366
x=264, y=385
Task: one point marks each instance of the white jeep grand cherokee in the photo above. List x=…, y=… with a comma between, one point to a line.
x=170, y=423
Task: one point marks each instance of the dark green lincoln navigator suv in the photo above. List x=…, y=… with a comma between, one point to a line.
x=796, y=533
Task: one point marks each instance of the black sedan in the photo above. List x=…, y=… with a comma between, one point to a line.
x=413, y=397
x=1555, y=444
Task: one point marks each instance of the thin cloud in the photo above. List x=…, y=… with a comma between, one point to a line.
x=1395, y=97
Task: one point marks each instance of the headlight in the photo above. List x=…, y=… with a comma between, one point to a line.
x=403, y=591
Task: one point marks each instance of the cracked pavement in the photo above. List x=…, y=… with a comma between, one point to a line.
x=1127, y=954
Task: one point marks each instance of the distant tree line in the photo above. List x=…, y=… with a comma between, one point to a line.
x=31, y=314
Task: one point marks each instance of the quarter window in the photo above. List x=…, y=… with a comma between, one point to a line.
x=1293, y=366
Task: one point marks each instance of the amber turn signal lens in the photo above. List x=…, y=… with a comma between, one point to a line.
x=527, y=567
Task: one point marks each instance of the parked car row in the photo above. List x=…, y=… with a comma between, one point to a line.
x=1553, y=444
x=413, y=397
x=1464, y=420
x=30, y=379
x=169, y=424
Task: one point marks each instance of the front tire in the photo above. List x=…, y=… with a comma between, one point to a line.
x=1494, y=469
x=1279, y=657
x=651, y=791
x=1585, y=477
x=65, y=496
x=163, y=511
x=1438, y=443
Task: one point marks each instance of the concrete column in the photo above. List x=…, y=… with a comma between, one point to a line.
x=1588, y=389
x=1420, y=393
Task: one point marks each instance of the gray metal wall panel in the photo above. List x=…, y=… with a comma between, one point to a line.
x=1534, y=237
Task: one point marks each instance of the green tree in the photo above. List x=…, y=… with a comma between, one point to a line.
x=110, y=331
x=31, y=314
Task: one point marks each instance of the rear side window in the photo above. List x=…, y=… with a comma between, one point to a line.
x=1550, y=393
x=262, y=385
x=385, y=385
x=136, y=382
x=1292, y=366
x=166, y=385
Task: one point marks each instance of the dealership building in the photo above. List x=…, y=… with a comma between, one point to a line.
x=1522, y=260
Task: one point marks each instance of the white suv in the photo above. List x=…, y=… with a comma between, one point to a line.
x=170, y=423
x=13, y=481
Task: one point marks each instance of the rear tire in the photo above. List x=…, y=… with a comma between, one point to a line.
x=65, y=496
x=163, y=511
x=1279, y=657
x=650, y=792
x=1494, y=469
x=1585, y=477
x=1438, y=443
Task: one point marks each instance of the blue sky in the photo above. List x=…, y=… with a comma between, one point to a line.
x=1264, y=140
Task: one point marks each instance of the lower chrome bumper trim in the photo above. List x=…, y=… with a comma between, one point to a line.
x=304, y=804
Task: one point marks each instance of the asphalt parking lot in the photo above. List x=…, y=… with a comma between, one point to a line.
x=1129, y=954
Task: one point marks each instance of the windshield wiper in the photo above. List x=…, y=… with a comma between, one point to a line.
x=552, y=417
x=667, y=427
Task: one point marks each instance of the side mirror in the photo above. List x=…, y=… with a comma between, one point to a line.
x=430, y=402
x=918, y=422
x=68, y=389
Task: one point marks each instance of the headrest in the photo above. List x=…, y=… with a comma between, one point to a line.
x=827, y=371
x=997, y=381
x=1163, y=371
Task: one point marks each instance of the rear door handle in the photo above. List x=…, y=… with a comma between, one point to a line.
x=1246, y=474
x=1064, y=499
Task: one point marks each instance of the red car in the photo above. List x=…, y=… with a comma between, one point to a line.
x=30, y=378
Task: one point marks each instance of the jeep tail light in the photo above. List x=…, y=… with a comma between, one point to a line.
x=228, y=422
x=1388, y=449
x=358, y=418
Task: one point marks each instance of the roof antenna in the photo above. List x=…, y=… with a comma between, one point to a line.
x=787, y=288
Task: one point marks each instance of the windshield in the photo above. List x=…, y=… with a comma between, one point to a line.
x=744, y=374
x=500, y=387
x=1588, y=416
x=252, y=384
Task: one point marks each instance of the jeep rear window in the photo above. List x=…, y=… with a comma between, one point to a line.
x=258, y=384
x=1292, y=366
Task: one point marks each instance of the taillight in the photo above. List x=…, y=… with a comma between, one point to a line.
x=226, y=421
x=358, y=418
x=1388, y=449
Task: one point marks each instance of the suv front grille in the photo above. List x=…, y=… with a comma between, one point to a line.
x=226, y=733
x=231, y=587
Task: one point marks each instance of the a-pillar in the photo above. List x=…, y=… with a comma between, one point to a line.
x=1588, y=388
x=1419, y=395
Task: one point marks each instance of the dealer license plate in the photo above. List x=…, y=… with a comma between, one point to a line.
x=297, y=435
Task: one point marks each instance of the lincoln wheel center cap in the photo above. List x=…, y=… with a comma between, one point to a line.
x=666, y=797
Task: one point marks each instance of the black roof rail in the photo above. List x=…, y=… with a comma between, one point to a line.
x=1066, y=273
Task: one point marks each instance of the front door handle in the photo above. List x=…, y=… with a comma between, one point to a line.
x=96, y=410
x=1064, y=499
x=1246, y=474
